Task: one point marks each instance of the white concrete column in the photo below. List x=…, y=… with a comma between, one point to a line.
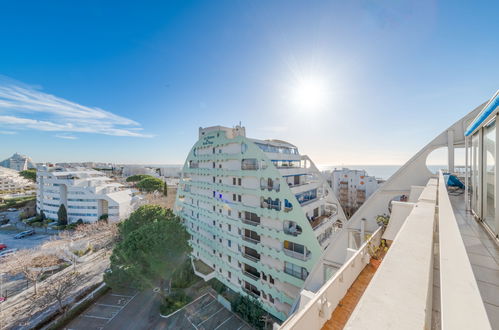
x=466, y=173
x=450, y=150
x=362, y=231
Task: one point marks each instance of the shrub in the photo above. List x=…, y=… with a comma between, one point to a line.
x=173, y=302
x=137, y=177
x=184, y=276
x=250, y=310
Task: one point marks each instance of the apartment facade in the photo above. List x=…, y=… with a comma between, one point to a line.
x=87, y=194
x=12, y=183
x=259, y=214
x=352, y=187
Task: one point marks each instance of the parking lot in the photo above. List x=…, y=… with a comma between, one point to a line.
x=99, y=314
x=205, y=313
x=29, y=242
x=127, y=309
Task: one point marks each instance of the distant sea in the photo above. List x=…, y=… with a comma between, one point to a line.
x=378, y=171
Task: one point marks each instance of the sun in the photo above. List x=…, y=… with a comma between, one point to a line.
x=309, y=93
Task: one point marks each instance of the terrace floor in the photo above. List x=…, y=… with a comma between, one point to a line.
x=483, y=253
x=342, y=312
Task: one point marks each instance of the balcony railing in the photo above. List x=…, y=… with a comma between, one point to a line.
x=251, y=275
x=250, y=239
x=251, y=257
x=295, y=231
x=252, y=293
x=297, y=255
x=251, y=222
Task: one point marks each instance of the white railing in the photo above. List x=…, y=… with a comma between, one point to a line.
x=461, y=304
x=318, y=310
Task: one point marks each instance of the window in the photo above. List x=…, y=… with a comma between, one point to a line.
x=229, y=258
x=213, y=179
x=234, y=197
x=249, y=164
x=294, y=270
x=229, y=212
x=229, y=227
x=239, y=181
x=234, y=181
x=271, y=299
x=229, y=243
x=229, y=274
x=238, y=198
x=220, y=166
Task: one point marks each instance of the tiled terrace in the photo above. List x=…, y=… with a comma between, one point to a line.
x=346, y=306
x=483, y=254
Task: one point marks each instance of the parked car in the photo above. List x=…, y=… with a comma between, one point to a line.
x=2, y=246
x=4, y=221
x=25, y=233
x=7, y=253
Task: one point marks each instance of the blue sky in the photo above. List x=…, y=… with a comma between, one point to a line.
x=132, y=82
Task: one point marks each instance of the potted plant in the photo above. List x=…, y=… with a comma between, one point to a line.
x=376, y=252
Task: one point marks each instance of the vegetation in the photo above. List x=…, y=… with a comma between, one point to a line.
x=137, y=177
x=150, y=184
x=184, y=276
x=29, y=174
x=173, y=302
x=62, y=216
x=153, y=243
x=16, y=203
x=165, y=189
x=250, y=310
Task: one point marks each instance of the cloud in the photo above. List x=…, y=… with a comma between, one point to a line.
x=67, y=137
x=24, y=107
x=8, y=132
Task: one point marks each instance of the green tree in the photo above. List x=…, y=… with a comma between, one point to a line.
x=142, y=216
x=150, y=184
x=62, y=216
x=165, y=189
x=150, y=250
x=137, y=177
x=29, y=174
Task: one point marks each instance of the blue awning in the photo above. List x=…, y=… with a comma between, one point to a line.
x=489, y=108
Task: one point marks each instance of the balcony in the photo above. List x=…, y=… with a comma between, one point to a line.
x=251, y=240
x=251, y=219
x=291, y=228
x=251, y=236
x=316, y=222
x=251, y=290
x=251, y=254
x=297, y=255
x=254, y=277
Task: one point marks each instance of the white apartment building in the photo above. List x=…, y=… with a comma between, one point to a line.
x=11, y=182
x=352, y=187
x=87, y=194
x=18, y=162
x=259, y=214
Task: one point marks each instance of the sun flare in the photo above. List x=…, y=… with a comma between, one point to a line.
x=310, y=93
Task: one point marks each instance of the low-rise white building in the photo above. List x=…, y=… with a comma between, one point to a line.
x=11, y=182
x=352, y=187
x=87, y=194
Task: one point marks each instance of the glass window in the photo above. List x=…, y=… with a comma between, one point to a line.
x=489, y=167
